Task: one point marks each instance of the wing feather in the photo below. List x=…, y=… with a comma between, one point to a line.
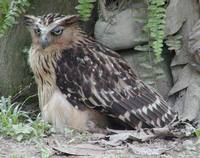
x=96, y=77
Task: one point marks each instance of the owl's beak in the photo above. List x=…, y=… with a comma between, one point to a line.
x=44, y=41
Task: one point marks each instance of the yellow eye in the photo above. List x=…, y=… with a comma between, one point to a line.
x=57, y=31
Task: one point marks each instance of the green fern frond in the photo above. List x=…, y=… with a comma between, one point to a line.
x=84, y=8
x=156, y=25
x=174, y=42
x=10, y=11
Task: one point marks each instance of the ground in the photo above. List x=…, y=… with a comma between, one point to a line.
x=84, y=146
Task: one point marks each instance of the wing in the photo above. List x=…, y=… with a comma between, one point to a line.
x=94, y=76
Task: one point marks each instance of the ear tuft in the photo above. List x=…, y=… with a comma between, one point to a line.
x=70, y=19
x=29, y=20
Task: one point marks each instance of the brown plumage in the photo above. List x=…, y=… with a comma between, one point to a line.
x=81, y=81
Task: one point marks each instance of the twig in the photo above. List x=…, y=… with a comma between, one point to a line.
x=29, y=97
x=21, y=92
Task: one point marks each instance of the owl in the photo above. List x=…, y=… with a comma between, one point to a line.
x=82, y=84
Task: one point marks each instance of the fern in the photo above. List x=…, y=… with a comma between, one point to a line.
x=10, y=11
x=156, y=25
x=4, y=5
x=174, y=42
x=84, y=8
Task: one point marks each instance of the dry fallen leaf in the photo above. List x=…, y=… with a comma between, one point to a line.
x=147, y=150
x=80, y=150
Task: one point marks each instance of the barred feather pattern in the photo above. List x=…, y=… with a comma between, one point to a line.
x=91, y=75
x=50, y=18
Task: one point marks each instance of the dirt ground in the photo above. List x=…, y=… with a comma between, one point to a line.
x=58, y=145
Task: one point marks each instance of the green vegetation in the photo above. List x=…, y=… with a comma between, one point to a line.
x=156, y=26
x=174, y=43
x=17, y=124
x=197, y=133
x=10, y=10
x=84, y=8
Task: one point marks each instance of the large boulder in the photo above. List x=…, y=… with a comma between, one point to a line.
x=122, y=30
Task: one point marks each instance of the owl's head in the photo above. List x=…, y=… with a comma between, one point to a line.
x=51, y=30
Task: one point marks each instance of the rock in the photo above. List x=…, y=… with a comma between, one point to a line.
x=188, y=89
x=181, y=17
x=183, y=80
x=192, y=102
x=194, y=46
x=123, y=29
x=175, y=14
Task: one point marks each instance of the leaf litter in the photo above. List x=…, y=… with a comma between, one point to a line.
x=116, y=144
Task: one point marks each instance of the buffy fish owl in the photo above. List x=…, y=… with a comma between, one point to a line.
x=82, y=82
